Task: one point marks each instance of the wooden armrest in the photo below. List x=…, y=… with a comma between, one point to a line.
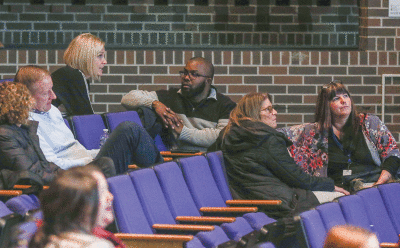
x=180, y=154
x=389, y=245
x=179, y=227
x=229, y=209
x=253, y=202
x=10, y=192
x=153, y=240
x=168, y=159
x=133, y=166
x=207, y=219
x=18, y=186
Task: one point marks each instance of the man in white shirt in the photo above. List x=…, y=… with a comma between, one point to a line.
x=128, y=144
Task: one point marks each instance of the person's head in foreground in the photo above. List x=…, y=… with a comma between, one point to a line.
x=335, y=104
x=255, y=107
x=77, y=201
x=86, y=53
x=15, y=103
x=348, y=236
x=40, y=85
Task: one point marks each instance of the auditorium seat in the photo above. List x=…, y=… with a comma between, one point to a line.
x=25, y=205
x=391, y=197
x=88, y=129
x=8, y=219
x=331, y=214
x=313, y=228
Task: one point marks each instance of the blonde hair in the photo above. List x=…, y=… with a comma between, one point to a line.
x=81, y=53
x=15, y=103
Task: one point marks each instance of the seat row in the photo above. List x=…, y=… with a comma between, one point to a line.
x=375, y=209
x=183, y=199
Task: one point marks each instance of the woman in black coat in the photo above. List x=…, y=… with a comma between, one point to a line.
x=85, y=60
x=20, y=153
x=258, y=163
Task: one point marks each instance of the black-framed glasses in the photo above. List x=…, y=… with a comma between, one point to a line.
x=269, y=108
x=192, y=74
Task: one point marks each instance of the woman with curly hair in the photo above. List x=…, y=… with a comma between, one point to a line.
x=85, y=60
x=19, y=144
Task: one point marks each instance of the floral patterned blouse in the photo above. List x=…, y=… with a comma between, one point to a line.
x=310, y=147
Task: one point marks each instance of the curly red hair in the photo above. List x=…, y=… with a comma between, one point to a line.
x=15, y=103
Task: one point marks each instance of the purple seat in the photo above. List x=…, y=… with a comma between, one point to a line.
x=213, y=238
x=8, y=220
x=237, y=229
x=391, y=197
x=313, y=228
x=354, y=211
x=331, y=214
x=23, y=204
x=378, y=215
x=129, y=214
x=88, y=129
x=217, y=166
x=115, y=118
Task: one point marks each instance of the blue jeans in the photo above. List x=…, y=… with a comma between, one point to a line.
x=129, y=144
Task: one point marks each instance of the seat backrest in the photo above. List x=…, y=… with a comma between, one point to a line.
x=175, y=190
x=88, y=129
x=194, y=243
x=8, y=221
x=151, y=196
x=115, y=118
x=391, y=197
x=378, y=215
x=354, y=211
x=258, y=220
x=217, y=166
x=201, y=182
x=331, y=214
x=129, y=214
x=23, y=204
x=313, y=228
x=4, y=210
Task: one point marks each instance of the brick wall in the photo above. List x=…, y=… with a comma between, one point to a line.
x=292, y=77
x=216, y=24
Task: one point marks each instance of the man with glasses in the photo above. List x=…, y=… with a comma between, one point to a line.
x=193, y=114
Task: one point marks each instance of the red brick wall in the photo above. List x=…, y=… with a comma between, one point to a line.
x=292, y=77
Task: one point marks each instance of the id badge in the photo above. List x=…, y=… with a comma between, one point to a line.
x=346, y=172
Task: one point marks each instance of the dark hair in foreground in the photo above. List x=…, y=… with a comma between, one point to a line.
x=15, y=103
x=70, y=204
x=248, y=108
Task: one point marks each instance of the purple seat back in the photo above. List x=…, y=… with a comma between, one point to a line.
x=313, y=228
x=391, y=197
x=217, y=166
x=88, y=129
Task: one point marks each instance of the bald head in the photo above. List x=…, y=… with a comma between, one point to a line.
x=207, y=65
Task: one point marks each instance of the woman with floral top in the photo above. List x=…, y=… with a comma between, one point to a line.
x=343, y=144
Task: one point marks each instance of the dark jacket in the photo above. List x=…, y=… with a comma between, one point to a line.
x=260, y=167
x=70, y=89
x=20, y=151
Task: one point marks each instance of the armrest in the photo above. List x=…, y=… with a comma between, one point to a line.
x=133, y=166
x=167, y=159
x=253, y=202
x=179, y=227
x=389, y=245
x=18, y=186
x=228, y=209
x=180, y=154
x=10, y=192
x=207, y=219
x=153, y=240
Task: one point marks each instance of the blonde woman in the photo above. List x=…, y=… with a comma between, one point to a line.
x=85, y=60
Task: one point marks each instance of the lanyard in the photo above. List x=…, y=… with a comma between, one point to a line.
x=337, y=142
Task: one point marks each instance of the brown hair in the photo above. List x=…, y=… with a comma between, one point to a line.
x=69, y=204
x=30, y=74
x=15, y=103
x=323, y=115
x=248, y=108
x=81, y=53
x=347, y=236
